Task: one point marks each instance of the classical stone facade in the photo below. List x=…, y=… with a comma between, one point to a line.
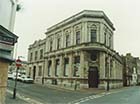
x=79, y=53
x=36, y=60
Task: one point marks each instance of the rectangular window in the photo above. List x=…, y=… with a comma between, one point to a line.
x=31, y=56
x=111, y=67
x=58, y=43
x=66, y=63
x=78, y=37
x=76, y=66
x=51, y=45
x=105, y=38
x=106, y=67
x=40, y=71
x=67, y=40
x=49, y=67
x=93, y=35
x=36, y=53
x=110, y=41
x=41, y=53
x=57, y=67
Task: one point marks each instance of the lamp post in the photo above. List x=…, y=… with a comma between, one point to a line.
x=18, y=64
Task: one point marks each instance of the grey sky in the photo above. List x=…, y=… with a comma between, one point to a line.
x=38, y=15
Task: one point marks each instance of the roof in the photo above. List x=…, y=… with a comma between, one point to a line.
x=84, y=13
x=5, y=32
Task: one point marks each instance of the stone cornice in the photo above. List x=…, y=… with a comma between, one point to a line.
x=83, y=14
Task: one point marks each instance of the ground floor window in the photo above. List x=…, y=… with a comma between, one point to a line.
x=66, y=67
x=76, y=72
x=49, y=67
x=57, y=67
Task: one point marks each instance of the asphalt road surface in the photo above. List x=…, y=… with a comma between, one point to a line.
x=46, y=95
x=127, y=96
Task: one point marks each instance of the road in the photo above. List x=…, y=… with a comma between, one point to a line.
x=46, y=95
x=127, y=96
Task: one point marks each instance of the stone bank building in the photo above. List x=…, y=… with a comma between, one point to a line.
x=79, y=53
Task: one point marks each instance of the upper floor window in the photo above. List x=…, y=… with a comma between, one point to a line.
x=78, y=37
x=67, y=40
x=41, y=53
x=58, y=43
x=110, y=41
x=105, y=38
x=31, y=56
x=36, y=53
x=51, y=45
x=93, y=35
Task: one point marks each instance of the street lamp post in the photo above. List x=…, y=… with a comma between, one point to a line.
x=14, y=91
x=18, y=64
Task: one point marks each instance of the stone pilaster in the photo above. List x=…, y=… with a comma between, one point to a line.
x=53, y=67
x=82, y=64
x=46, y=68
x=61, y=66
x=70, y=66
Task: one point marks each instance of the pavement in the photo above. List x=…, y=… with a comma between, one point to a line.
x=10, y=100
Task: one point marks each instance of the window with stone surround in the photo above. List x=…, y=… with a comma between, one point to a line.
x=111, y=67
x=36, y=54
x=41, y=53
x=31, y=56
x=51, y=45
x=49, y=67
x=57, y=66
x=106, y=67
x=110, y=40
x=67, y=40
x=66, y=66
x=93, y=35
x=105, y=38
x=76, y=66
x=58, y=43
x=77, y=37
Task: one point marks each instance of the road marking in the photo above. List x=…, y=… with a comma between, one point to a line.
x=29, y=100
x=81, y=100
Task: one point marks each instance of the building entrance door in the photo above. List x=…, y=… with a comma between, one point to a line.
x=93, y=77
x=34, y=72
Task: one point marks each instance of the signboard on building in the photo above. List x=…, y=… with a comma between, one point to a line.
x=6, y=40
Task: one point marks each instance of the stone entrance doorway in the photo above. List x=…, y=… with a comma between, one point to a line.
x=93, y=77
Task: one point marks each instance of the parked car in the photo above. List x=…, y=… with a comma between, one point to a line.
x=18, y=76
x=10, y=75
x=26, y=79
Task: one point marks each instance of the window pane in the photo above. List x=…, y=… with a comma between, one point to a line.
x=93, y=35
x=78, y=37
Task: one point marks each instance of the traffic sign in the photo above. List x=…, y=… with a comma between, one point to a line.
x=18, y=62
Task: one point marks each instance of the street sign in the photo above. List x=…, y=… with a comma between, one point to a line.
x=18, y=62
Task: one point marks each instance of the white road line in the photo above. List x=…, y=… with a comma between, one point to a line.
x=78, y=101
x=29, y=100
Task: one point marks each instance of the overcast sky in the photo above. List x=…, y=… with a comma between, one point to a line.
x=37, y=15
